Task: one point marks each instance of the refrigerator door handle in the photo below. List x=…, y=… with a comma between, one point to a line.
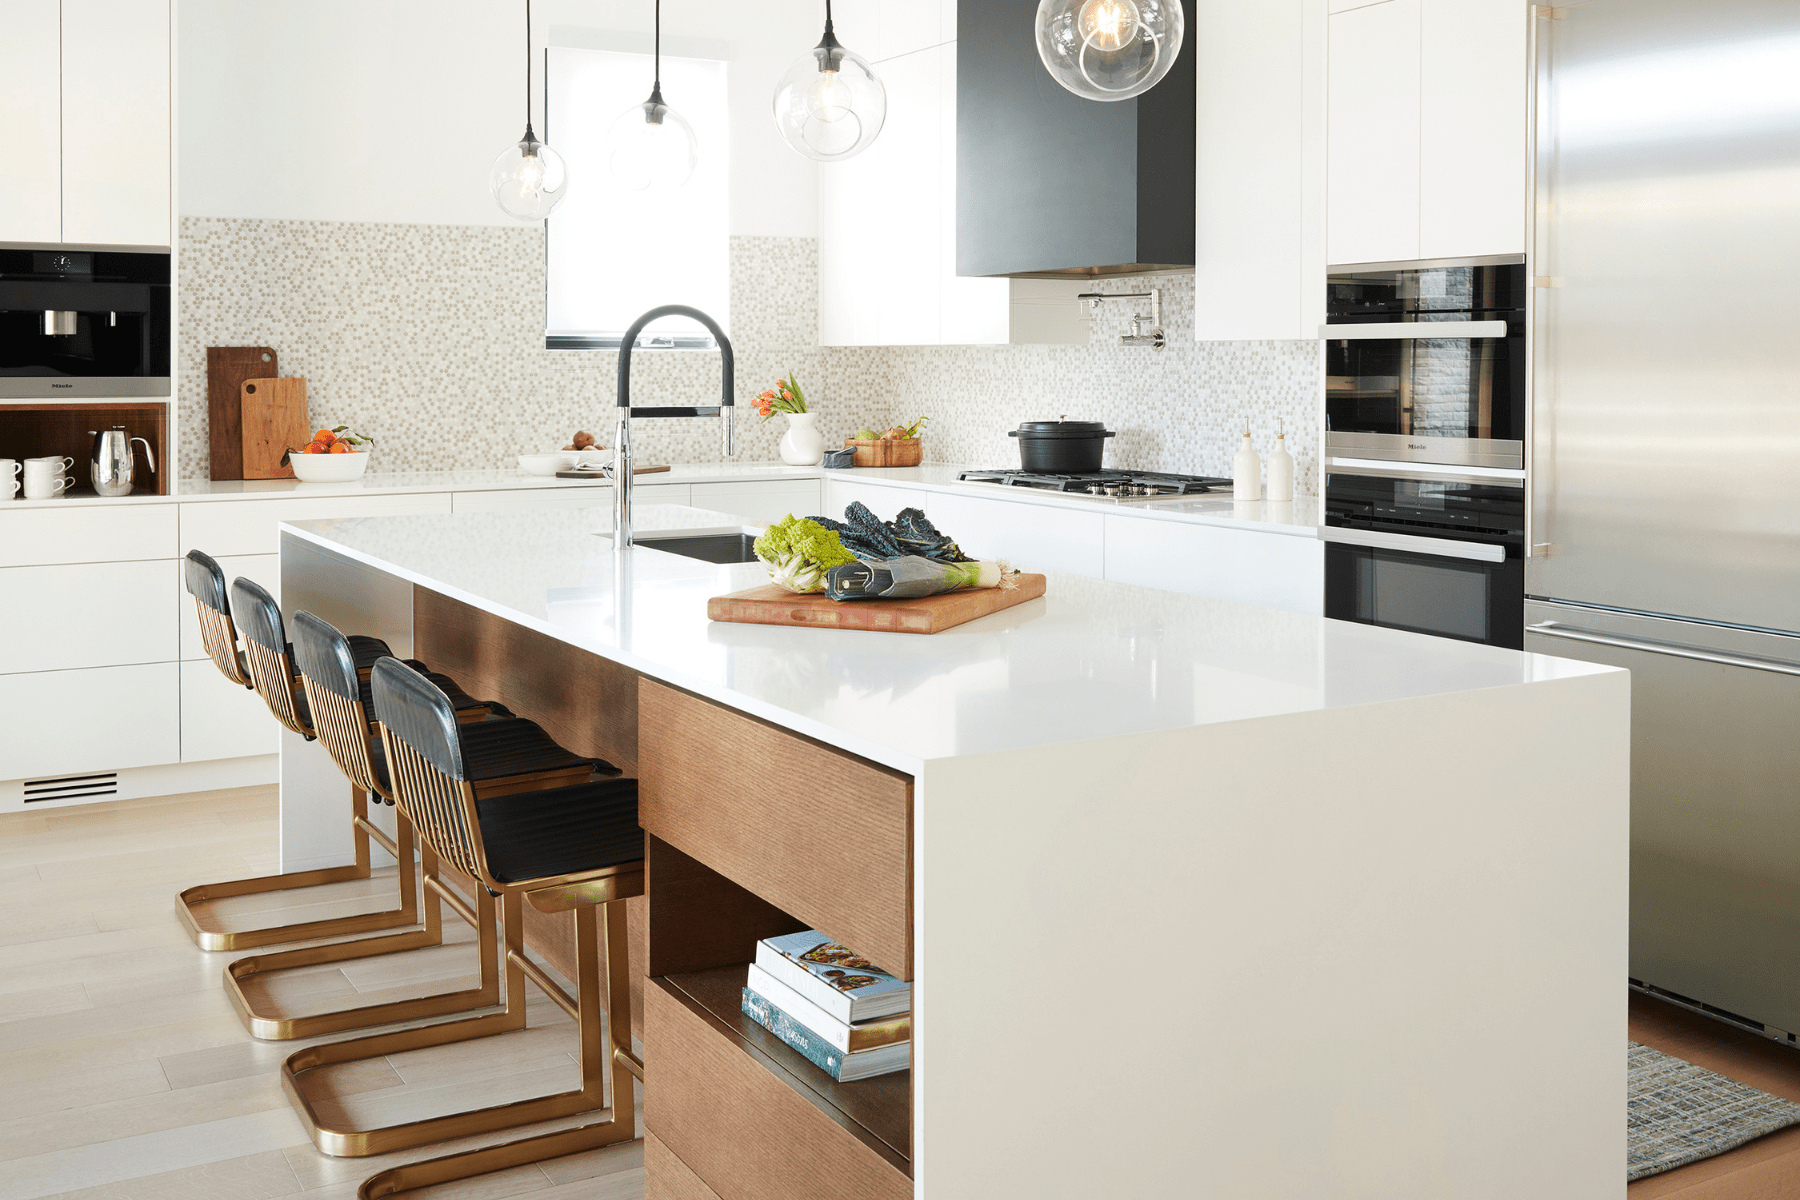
x=1557, y=629
x=1413, y=544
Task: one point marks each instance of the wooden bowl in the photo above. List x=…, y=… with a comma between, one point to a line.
x=887, y=452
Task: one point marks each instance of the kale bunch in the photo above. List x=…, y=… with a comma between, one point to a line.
x=874, y=540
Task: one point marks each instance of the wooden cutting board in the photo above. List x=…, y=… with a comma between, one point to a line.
x=770, y=605
x=274, y=416
x=226, y=369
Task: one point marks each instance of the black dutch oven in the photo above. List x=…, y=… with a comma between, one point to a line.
x=1061, y=447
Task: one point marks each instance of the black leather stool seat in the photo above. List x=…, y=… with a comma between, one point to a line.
x=363, y=651
x=537, y=835
x=496, y=749
x=460, y=700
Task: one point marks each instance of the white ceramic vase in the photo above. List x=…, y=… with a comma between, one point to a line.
x=802, y=445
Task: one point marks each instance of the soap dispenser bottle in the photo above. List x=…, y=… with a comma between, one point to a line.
x=1281, y=470
x=1246, y=471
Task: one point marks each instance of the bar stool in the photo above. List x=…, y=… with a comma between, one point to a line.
x=265, y=664
x=512, y=753
x=206, y=584
x=564, y=849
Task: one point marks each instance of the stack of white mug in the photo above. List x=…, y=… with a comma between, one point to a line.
x=44, y=478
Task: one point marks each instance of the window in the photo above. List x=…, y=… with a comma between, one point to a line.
x=614, y=253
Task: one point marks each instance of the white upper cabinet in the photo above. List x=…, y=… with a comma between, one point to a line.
x=1372, y=134
x=115, y=122
x=1426, y=124
x=1259, y=238
x=30, y=121
x=1472, y=127
x=887, y=218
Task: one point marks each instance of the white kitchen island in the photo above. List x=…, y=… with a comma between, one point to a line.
x=1206, y=899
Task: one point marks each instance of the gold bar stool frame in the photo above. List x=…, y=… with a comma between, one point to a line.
x=338, y=703
x=563, y=849
x=265, y=664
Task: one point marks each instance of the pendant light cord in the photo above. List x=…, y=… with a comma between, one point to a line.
x=528, y=66
x=658, y=69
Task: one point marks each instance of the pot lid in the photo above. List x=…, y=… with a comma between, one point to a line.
x=1062, y=427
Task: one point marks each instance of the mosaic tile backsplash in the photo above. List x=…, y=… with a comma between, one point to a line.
x=431, y=338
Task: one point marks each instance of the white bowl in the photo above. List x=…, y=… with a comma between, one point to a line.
x=588, y=458
x=329, y=468
x=541, y=464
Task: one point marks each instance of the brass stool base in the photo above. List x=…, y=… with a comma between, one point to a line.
x=470, y=1163
x=275, y=935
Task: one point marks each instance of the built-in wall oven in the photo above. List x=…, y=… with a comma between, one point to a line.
x=1425, y=362
x=80, y=321
x=1430, y=552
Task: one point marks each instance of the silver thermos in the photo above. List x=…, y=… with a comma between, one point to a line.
x=112, y=461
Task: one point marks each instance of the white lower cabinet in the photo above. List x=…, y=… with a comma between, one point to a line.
x=592, y=495
x=1267, y=569
x=231, y=527
x=220, y=719
x=79, y=722
x=88, y=615
x=1031, y=537
x=259, y=568
x=760, y=503
x=881, y=500
x=36, y=537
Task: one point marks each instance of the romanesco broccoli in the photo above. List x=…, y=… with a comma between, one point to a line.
x=799, y=553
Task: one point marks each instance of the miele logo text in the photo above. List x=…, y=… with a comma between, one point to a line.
x=1416, y=446
x=62, y=385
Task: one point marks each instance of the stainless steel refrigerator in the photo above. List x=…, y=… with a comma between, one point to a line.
x=1665, y=470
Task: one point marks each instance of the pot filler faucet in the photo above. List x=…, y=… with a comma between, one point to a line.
x=725, y=410
x=1137, y=337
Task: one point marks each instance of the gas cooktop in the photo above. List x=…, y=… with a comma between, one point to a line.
x=1106, y=485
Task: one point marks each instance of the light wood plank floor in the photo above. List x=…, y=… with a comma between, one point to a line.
x=1766, y=1169
x=124, y=1072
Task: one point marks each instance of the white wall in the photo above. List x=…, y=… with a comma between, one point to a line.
x=393, y=110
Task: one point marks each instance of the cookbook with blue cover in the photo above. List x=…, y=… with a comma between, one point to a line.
x=845, y=1068
x=846, y=985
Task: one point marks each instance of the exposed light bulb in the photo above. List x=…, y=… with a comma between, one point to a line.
x=829, y=97
x=531, y=173
x=529, y=179
x=1107, y=25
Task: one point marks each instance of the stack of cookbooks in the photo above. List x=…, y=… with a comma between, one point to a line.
x=849, y=1018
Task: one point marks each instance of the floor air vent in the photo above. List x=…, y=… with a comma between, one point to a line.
x=71, y=787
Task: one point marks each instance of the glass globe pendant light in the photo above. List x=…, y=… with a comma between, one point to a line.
x=1109, y=49
x=528, y=180
x=829, y=105
x=651, y=146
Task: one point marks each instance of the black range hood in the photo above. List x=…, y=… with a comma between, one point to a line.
x=1051, y=186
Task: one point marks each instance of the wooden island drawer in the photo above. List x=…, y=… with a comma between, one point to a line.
x=741, y=1130
x=820, y=834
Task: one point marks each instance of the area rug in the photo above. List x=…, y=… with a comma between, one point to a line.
x=1680, y=1113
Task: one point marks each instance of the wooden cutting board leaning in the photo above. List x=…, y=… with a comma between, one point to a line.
x=274, y=419
x=770, y=605
x=226, y=369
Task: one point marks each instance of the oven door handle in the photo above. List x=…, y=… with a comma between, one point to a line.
x=1442, y=547
x=1414, y=329
x=1556, y=629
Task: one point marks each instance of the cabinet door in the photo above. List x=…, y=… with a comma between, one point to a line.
x=115, y=122
x=220, y=719
x=104, y=719
x=908, y=208
x=87, y=534
x=1472, y=139
x=88, y=615
x=1270, y=570
x=31, y=120
x=222, y=527
x=1372, y=134
x=1031, y=537
x=881, y=500
x=760, y=503
x=589, y=495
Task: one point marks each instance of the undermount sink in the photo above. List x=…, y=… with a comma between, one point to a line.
x=712, y=547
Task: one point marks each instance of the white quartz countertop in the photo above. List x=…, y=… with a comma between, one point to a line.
x=1299, y=518
x=1092, y=659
